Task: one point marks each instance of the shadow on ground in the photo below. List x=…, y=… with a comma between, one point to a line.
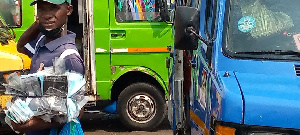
x=111, y=123
x=92, y=122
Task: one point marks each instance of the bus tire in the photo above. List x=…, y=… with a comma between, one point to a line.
x=141, y=106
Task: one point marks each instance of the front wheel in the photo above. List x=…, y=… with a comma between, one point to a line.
x=141, y=106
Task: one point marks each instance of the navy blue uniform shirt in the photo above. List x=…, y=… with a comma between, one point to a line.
x=46, y=53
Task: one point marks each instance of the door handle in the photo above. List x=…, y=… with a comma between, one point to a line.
x=117, y=34
x=114, y=35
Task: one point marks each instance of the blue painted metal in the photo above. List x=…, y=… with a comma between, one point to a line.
x=271, y=99
x=254, y=92
x=232, y=104
x=171, y=112
x=271, y=89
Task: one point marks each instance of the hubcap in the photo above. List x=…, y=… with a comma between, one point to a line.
x=141, y=108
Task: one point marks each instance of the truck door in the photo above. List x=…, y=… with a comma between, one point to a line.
x=204, y=100
x=131, y=46
x=128, y=33
x=137, y=28
x=204, y=96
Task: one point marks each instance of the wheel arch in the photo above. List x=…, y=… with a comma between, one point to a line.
x=137, y=74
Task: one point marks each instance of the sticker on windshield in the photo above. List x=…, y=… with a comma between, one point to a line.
x=246, y=23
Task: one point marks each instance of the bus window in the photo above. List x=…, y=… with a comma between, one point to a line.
x=136, y=10
x=10, y=11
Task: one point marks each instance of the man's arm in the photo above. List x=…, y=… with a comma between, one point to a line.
x=29, y=35
x=75, y=63
x=81, y=113
x=34, y=124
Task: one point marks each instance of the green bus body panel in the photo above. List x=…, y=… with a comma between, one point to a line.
x=103, y=89
x=101, y=13
x=103, y=75
x=154, y=61
x=143, y=37
x=101, y=25
x=121, y=70
x=102, y=60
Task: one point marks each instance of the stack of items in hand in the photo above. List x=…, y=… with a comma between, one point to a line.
x=52, y=94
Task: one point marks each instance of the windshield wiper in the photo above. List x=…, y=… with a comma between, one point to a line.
x=276, y=52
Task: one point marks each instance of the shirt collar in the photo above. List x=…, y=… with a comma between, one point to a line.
x=69, y=38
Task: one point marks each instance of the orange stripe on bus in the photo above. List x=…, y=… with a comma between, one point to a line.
x=198, y=121
x=158, y=49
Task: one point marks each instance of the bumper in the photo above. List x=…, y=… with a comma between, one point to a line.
x=241, y=129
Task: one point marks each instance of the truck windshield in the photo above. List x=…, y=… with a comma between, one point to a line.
x=263, y=29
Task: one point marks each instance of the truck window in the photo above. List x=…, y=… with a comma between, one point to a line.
x=10, y=12
x=136, y=10
x=210, y=17
x=258, y=28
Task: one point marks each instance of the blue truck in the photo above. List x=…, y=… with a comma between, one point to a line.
x=236, y=68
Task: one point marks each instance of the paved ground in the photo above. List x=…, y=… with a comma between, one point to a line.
x=110, y=125
x=103, y=124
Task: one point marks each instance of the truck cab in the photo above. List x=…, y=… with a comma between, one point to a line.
x=236, y=68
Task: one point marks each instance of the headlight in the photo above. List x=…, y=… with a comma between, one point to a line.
x=222, y=130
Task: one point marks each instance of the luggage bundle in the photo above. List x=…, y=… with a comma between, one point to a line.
x=53, y=94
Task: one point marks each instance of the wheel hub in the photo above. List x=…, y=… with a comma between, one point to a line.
x=141, y=108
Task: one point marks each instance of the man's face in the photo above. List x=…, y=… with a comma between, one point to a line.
x=52, y=16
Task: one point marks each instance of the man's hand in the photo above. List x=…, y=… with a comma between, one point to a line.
x=81, y=113
x=17, y=127
x=30, y=34
x=34, y=123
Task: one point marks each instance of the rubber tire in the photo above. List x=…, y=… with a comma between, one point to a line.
x=146, y=89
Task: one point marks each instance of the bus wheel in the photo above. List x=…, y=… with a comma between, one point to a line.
x=141, y=106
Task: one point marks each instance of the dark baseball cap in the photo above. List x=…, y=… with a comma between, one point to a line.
x=58, y=2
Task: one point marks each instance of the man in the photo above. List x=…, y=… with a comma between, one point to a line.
x=45, y=40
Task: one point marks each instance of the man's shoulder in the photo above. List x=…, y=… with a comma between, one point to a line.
x=66, y=47
x=75, y=63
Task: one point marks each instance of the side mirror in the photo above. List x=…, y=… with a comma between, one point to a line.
x=11, y=12
x=186, y=18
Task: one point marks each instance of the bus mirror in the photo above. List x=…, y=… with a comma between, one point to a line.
x=186, y=19
x=10, y=11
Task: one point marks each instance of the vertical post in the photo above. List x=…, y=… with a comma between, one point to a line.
x=178, y=89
